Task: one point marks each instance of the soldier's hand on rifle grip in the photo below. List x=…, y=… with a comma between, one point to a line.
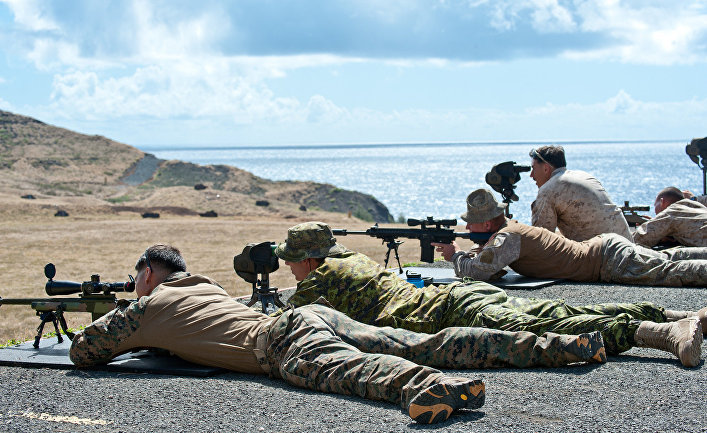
x=447, y=250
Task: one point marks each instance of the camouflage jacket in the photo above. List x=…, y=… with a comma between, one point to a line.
x=363, y=290
x=190, y=316
x=577, y=204
x=685, y=221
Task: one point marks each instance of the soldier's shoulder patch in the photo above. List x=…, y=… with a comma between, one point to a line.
x=498, y=241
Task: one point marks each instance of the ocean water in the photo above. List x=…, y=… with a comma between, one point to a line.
x=417, y=180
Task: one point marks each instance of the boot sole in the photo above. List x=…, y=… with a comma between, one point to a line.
x=691, y=350
x=436, y=403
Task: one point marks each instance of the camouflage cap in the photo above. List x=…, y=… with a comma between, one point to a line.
x=481, y=206
x=311, y=239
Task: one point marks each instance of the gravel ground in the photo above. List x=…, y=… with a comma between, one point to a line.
x=640, y=390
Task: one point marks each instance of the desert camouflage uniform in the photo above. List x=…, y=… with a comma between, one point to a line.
x=577, y=203
x=355, y=285
x=685, y=221
x=539, y=253
x=313, y=347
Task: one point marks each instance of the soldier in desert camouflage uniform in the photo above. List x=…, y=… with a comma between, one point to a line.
x=355, y=285
x=313, y=347
x=678, y=218
x=573, y=201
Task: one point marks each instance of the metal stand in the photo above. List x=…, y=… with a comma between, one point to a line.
x=268, y=296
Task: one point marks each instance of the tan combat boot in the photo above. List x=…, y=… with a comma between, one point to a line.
x=682, y=338
x=675, y=315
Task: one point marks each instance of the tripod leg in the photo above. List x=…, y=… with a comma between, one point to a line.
x=254, y=297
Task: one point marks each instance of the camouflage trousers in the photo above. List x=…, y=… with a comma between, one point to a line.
x=480, y=304
x=626, y=262
x=322, y=349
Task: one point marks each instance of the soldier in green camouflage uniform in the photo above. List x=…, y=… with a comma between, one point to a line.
x=357, y=286
x=313, y=347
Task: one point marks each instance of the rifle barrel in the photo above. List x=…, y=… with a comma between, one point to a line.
x=344, y=232
x=474, y=236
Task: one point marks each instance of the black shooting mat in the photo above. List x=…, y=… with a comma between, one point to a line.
x=512, y=280
x=52, y=354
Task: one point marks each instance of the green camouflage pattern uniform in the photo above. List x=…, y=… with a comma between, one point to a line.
x=313, y=347
x=357, y=286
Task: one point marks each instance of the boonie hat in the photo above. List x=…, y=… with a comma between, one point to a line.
x=311, y=239
x=481, y=206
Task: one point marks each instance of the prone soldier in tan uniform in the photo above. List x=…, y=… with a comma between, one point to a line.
x=540, y=253
x=572, y=201
x=357, y=286
x=313, y=346
x=678, y=219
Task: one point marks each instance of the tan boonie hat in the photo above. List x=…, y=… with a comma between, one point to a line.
x=481, y=206
x=311, y=239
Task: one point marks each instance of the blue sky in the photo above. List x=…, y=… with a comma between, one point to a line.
x=179, y=72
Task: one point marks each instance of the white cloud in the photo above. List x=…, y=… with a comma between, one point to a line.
x=178, y=89
x=322, y=110
x=622, y=103
x=31, y=14
x=646, y=34
x=547, y=15
x=157, y=38
x=4, y=105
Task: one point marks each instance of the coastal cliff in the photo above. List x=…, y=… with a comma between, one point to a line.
x=37, y=159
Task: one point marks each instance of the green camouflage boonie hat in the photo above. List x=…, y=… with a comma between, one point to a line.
x=481, y=206
x=308, y=240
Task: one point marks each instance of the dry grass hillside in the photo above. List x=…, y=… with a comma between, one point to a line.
x=48, y=162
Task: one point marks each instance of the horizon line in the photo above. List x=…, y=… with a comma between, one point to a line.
x=391, y=144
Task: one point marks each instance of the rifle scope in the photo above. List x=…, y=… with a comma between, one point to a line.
x=54, y=288
x=431, y=221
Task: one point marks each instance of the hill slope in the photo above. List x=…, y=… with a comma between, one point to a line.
x=40, y=159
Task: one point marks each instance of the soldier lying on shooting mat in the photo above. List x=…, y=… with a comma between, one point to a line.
x=313, y=347
x=573, y=201
x=678, y=218
x=357, y=286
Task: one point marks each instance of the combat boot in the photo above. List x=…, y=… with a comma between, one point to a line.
x=587, y=347
x=437, y=402
x=675, y=315
x=682, y=338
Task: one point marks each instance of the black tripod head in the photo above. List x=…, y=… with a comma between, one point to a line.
x=503, y=178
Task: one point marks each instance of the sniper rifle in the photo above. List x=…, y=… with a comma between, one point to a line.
x=95, y=297
x=431, y=230
x=631, y=214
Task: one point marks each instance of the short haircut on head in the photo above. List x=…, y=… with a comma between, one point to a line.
x=164, y=256
x=553, y=155
x=671, y=194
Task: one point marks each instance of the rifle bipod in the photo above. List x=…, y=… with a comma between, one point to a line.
x=393, y=245
x=56, y=317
